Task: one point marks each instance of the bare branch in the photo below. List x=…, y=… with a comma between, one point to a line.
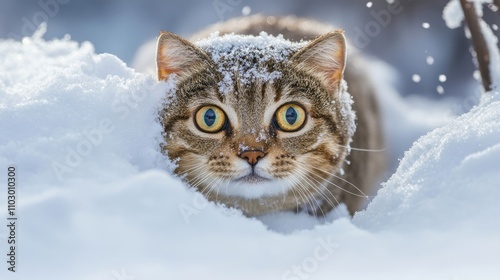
x=478, y=42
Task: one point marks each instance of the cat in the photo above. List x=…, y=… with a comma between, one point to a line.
x=262, y=122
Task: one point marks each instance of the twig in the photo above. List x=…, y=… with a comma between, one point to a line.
x=497, y=3
x=478, y=42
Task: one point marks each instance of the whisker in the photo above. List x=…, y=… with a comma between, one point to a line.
x=315, y=200
x=183, y=175
x=217, y=189
x=200, y=178
x=364, y=150
x=301, y=199
x=293, y=192
x=309, y=199
x=344, y=180
x=194, y=167
x=212, y=185
x=308, y=177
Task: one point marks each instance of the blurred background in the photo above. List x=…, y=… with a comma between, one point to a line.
x=429, y=58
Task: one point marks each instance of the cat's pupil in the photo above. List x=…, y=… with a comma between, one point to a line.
x=210, y=117
x=291, y=115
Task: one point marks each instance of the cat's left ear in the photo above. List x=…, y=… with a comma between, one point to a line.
x=175, y=55
x=324, y=57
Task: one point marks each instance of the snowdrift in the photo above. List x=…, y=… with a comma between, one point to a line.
x=96, y=200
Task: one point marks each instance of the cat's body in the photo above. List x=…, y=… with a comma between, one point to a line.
x=287, y=120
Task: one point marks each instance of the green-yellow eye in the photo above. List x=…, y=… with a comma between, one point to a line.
x=290, y=117
x=210, y=119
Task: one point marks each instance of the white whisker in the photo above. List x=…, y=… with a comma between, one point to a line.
x=343, y=180
x=308, y=177
x=309, y=199
x=364, y=150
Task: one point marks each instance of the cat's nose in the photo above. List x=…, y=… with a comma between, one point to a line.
x=252, y=156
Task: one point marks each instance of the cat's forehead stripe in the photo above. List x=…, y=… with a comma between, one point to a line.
x=247, y=58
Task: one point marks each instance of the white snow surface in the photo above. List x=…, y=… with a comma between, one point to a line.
x=95, y=200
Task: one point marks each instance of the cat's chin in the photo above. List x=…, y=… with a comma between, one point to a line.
x=254, y=186
x=252, y=179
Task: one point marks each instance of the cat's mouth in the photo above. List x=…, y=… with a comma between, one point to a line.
x=253, y=185
x=252, y=179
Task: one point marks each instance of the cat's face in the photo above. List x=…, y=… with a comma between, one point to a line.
x=256, y=119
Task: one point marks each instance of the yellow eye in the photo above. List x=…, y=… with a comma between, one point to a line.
x=290, y=117
x=210, y=119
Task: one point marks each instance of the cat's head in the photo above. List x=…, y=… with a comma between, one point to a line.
x=259, y=123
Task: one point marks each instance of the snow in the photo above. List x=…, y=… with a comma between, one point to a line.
x=429, y=60
x=348, y=115
x=246, y=11
x=453, y=14
x=456, y=166
x=235, y=54
x=440, y=89
x=116, y=212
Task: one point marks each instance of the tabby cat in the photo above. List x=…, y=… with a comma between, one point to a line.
x=262, y=122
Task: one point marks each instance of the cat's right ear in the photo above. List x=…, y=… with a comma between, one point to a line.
x=175, y=55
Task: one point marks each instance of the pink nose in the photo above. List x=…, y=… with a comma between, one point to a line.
x=252, y=156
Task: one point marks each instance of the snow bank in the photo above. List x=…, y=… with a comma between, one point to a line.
x=115, y=213
x=449, y=177
x=67, y=113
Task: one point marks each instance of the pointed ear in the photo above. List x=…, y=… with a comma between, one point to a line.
x=177, y=55
x=324, y=57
